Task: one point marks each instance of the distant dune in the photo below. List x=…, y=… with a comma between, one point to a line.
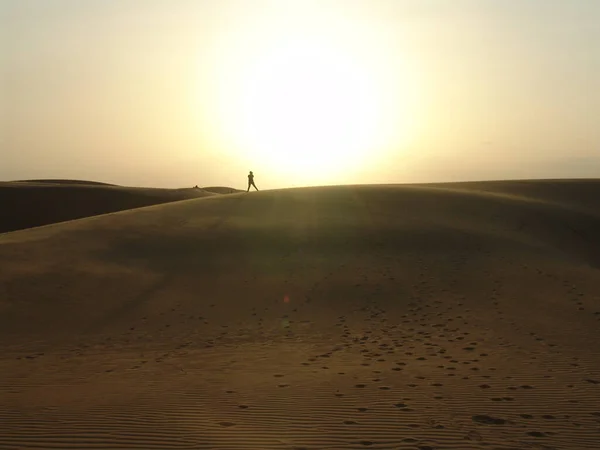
x=57, y=181
x=221, y=190
x=448, y=316
x=32, y=203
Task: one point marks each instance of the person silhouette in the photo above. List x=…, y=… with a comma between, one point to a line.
x=251, y=181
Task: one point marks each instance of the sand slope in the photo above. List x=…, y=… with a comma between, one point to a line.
x=390, y=317
x=27, y=204
x=65, y=181
x=221, y=190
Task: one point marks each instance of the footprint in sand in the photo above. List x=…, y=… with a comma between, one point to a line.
x=536, y=434
x=488, y=420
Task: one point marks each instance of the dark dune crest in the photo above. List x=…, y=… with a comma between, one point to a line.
x=61, y=181
x=32, y=204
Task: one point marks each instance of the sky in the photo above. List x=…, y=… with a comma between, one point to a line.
x=176, y=93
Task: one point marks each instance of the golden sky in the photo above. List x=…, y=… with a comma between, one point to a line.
x=182, y=92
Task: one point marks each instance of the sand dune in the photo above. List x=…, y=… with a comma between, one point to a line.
x=27, y=204
x=221, y=190
x=65, y=181
x=455, y=316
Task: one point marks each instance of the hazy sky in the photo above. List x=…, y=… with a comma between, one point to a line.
x=175, y=93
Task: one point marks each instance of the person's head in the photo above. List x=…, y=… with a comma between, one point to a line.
x=250, y=172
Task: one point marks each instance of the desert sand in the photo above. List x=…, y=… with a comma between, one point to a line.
x=449, y=316
x=27, y=204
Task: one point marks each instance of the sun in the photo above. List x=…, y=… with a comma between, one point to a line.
x=316, y=103
x=308, y=107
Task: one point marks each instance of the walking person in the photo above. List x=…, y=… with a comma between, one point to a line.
x=251, y=181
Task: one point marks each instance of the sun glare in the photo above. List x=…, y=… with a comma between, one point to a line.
x=308, y=107
x=308, y=100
